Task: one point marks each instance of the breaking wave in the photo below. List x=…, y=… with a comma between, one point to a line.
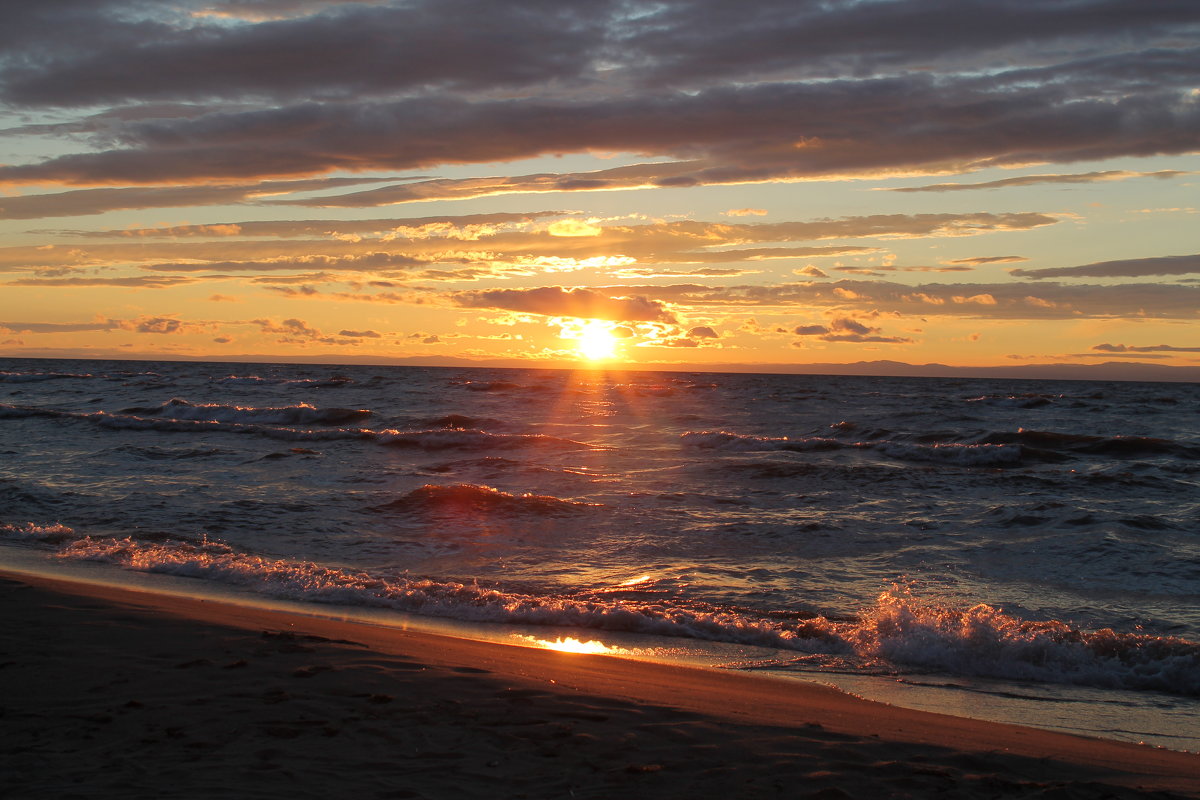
x=900, y=631
x=36, y=532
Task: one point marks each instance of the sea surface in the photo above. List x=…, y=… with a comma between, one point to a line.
x=1018, y=550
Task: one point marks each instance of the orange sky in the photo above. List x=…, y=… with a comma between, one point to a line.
x=676, y=183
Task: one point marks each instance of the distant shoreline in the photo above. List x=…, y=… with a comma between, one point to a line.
x=1106, y=371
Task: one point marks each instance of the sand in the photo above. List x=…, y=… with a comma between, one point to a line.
x=110, y=693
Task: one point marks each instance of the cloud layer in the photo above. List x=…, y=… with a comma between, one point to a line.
x=189, y=143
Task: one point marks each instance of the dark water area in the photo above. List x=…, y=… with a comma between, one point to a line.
x=1035, y=533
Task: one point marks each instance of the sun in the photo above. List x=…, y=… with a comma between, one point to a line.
x=596, y=341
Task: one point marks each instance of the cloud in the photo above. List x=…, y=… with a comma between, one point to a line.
x=981, y=260
x=811, y=271
x=143, y=324
x=707, y=94
x=297, y=331
x=559, y=302
x=463, y=226
x=61, y=327
x=1033, y=180
x=1125, y=268
x=702, y=332
x=1154, y=348
x=353, y=50
x=81, y=202
x=361, y=334
x=746, y=212
x=1016, y=300
x=573, y=227
x=845, y=329
x=712, y=135
x=364, y=262
x=505, y=246
x=142, y=282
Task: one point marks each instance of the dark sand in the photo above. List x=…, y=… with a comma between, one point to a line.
x=108, y=693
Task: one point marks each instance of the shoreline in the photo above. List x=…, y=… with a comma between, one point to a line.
x=318, y=695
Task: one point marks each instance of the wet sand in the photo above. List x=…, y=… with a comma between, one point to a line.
x=111, y=693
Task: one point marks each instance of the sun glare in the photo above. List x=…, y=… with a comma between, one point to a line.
x=596, y=342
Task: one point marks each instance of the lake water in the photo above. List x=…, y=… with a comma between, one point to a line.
x=1021, y=550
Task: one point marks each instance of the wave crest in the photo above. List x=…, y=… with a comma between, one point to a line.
x=469, y=499
x=301, y=414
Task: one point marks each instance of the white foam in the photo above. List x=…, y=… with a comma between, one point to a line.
x=34, y=531
x=900, y=631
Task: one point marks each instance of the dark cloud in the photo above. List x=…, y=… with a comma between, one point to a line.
x=559, y=302
x=1033, y=180
x=1124, y=268
x=97, y=201
x=722, y=134
x=702, y=332
x=786, y=89
x=343, y=51
x=699, y=40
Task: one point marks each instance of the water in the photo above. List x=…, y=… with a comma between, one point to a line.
x=1021, y=550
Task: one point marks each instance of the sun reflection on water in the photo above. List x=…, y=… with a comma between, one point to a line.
x=570, y=644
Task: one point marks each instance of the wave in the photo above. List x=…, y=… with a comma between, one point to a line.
x=899, y=631
x=1016, y=400
x=38, y=532
x=11, y=376
x=1085, y=444
x=171, y=454
x=467, y=499
x=461, y=421
x=38, y=377
x=333, y=382
x=964, y=454
x=302, y=414
x=440, y=439
x=454, y=439
x=995, y=449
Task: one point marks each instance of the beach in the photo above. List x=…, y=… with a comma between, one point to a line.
x=111, y=692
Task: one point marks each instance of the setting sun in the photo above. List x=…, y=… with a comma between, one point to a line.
x=597, y=342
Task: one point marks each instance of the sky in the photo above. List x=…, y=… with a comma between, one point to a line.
x=676, y=183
